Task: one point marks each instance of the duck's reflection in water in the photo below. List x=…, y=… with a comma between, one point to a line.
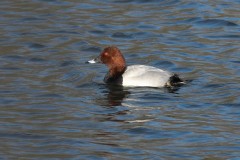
x=129, y=105
x=116, y=94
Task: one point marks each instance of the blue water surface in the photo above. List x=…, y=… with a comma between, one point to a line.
x=54, y=106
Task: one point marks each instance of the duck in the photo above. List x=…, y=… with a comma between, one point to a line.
x=134, y=75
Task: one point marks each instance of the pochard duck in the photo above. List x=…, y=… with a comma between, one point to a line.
x=134, y=75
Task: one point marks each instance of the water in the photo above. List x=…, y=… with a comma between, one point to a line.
x=54, y=106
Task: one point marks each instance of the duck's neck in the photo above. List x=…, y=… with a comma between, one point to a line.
x=116, y=71
x=115, y=74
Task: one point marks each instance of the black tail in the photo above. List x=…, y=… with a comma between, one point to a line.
x=174, y=80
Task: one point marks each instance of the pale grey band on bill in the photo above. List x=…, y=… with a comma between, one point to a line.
x=92, y=61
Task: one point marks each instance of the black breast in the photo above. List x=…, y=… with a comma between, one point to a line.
x=113, y=79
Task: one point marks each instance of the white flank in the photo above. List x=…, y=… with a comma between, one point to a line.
x=141, y=75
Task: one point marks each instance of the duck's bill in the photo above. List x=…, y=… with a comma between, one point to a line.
x=91, y=61
x=95, y=60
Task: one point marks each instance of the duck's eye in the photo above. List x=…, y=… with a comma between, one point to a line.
x=105, y=54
